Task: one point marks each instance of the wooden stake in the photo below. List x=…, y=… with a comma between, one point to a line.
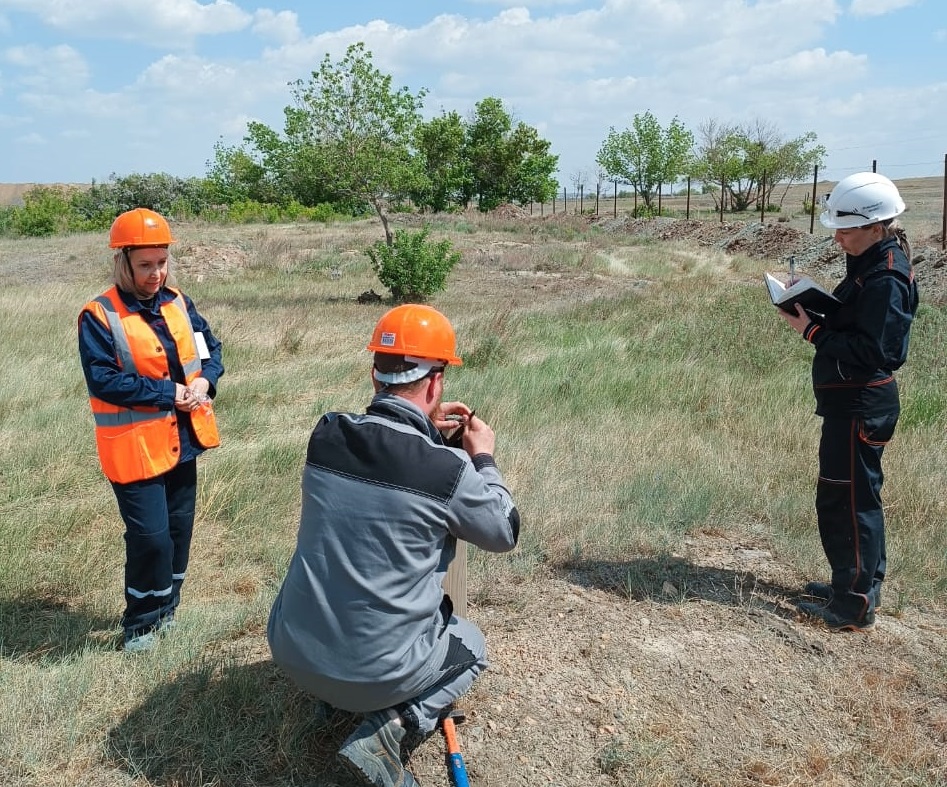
x=455, y=583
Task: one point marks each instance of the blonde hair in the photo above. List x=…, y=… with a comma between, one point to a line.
x=122, y=271
x=894, y=229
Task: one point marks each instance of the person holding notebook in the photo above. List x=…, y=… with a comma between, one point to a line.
x=858, y=349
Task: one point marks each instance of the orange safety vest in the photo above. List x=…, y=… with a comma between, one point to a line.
x=136, y=443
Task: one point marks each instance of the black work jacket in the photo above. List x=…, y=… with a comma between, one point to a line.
x=865, y=341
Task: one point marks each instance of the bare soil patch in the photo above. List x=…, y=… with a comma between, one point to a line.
x=693, y=669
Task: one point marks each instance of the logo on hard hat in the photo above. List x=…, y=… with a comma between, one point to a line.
x=387, y=340
x=149, y=222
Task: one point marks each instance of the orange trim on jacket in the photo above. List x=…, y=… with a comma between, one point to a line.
x=137, y=443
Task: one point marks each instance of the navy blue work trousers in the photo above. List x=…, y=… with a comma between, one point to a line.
x=159, y=520
x=848, y=505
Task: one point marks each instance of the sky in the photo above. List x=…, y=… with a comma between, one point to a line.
x=92, y=88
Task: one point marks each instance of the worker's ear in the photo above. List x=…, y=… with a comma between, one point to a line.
x=432, y=381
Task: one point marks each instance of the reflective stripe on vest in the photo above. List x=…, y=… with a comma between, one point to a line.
x=136, y=443
x=121, y=340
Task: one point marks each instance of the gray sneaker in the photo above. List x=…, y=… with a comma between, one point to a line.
x=167, y=624
x=139, y=643
x=823, y=591
x=373, y=753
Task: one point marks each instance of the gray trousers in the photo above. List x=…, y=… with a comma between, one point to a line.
x=419, y=702
x=465, y=660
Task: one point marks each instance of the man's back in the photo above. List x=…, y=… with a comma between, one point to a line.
x=382, y=503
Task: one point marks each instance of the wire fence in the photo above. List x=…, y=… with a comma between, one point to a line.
x=691, y=199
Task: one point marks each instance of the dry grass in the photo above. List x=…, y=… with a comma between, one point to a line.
x=643, y=632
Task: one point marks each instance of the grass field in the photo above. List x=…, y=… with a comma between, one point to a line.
x=655, y=424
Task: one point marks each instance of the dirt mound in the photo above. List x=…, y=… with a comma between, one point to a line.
x=509, y=211
x=814, y=254
x=200, y=260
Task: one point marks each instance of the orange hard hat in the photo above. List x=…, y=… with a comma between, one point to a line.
x=139, y=227
x=417, y=331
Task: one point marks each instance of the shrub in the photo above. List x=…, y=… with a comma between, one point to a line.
x=46, y=211
x=412, y=268
x=323, y=212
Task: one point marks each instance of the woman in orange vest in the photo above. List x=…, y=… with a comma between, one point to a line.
x=151, y=365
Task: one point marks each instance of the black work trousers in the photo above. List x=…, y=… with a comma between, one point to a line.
x=159, y=520
x=848, y=505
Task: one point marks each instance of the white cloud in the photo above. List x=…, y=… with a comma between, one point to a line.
x=14, y=121
x=281, y=27
x=570, y=69
x=78, y=106
x=55, y=69
x=236, y=126
x=812, y=64
x=168, y=23
x=528, y=3
x=75, y=133
x=33, y=138
x=576, y=74
x=187, y=77
x=878, y=7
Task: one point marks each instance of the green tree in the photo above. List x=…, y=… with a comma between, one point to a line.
x=440, y=146
x=719, y=159
x=168, y=194
x=646, y=155
x=533, y=166
x=237, y=175
x=795, y=160
x=506, y=162
x=750, y=161
x=354, y=127
x=487, y=155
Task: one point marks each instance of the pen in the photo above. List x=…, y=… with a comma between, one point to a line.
x=792, y=270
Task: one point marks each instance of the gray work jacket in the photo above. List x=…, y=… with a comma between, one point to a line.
x=361, y=612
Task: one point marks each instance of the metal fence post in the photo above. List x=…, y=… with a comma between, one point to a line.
x=943, y=207
x=815, y=180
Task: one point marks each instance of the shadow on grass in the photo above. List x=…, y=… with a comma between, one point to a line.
x=235, y=725
x=41, y=628
x=671, y=580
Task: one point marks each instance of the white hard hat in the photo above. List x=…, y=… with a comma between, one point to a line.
x=861, y=199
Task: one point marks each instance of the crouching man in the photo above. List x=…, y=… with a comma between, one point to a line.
x=361, y=620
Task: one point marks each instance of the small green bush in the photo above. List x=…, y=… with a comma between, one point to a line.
x=46, y=210
x=323, y=212
x=412, y=268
